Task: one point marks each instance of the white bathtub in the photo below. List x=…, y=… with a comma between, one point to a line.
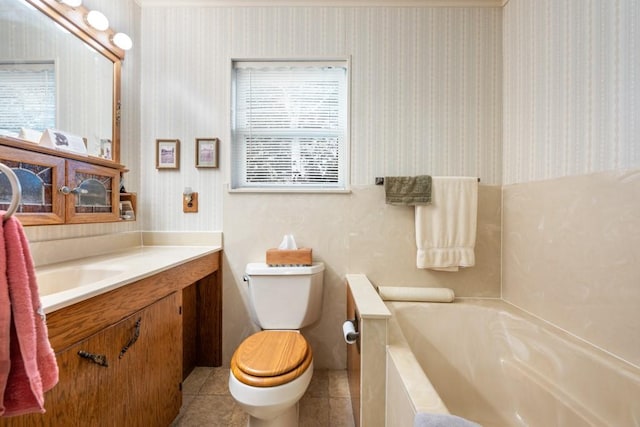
x=491, y=363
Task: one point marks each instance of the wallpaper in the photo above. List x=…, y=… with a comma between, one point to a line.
x=425, y=91
x=571, y=92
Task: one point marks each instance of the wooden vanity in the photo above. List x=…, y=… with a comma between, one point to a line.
x=122, y=355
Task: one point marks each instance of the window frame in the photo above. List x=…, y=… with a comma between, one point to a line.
x=344, y=161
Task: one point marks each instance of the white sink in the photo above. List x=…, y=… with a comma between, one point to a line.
x=65, y=278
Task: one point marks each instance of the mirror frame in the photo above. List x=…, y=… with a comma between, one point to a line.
x=73, y=19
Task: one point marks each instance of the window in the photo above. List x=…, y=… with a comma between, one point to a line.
x=27, y=96
x=289, y=125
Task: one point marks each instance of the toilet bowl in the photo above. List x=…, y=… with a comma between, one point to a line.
x=271, y=369
x=275, y=406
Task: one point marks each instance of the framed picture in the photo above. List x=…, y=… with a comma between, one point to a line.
x=167, y=154
x=106, y=149
x=207, y=152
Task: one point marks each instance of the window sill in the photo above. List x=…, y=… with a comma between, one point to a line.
x=288, y=190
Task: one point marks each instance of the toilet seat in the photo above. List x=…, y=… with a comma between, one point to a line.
x=271, y=358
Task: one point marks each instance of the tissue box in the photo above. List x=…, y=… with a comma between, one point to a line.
x=289, y=256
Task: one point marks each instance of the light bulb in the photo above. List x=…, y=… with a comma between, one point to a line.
x=122, y=40
x=71, y=3
x=97, y=20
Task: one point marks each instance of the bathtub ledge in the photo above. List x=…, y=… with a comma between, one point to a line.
x=370, y=305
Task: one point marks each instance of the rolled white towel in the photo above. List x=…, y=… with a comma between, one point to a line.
x=399, y=293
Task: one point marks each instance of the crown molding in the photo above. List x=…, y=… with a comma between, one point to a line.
x=321, y=3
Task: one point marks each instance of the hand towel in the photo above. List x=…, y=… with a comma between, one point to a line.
x=407, y=190
x=5, y=320
x=446, y=229
x=424, y=419
x=33, y=367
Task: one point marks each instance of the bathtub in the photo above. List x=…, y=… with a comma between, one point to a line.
x=494, y=364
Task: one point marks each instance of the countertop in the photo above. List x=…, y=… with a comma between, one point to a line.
x=65, y=283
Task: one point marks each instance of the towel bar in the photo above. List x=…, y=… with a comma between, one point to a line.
x=380, y=180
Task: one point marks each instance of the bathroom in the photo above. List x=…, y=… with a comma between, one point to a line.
x=537, y=98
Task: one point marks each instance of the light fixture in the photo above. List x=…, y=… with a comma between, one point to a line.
x=122, y=40
x=71, y=3
x=97, y=20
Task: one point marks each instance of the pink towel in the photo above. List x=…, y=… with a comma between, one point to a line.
x=5, y=320
x=31, y=368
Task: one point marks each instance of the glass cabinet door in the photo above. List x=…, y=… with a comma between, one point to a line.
x=40, y=177
x=93, y=193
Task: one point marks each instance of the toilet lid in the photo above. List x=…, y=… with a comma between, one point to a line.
x=270, y=358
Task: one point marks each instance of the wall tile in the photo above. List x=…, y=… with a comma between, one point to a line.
x=571, y=251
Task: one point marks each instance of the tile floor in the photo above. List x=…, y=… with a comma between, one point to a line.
x=206, y=401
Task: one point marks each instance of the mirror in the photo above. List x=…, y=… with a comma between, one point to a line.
x=80, y=93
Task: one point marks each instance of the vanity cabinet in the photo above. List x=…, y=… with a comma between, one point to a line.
x=133, y=381
x=90, y=186
x=145, y=320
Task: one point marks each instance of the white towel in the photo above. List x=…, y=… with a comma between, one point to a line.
x=424, y=419
x=446, y=229
x=403, y=293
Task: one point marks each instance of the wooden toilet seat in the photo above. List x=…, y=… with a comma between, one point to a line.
x=271, y=358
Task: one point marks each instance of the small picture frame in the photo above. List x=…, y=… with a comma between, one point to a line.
x=106, y=149
x=167, y=154
x=207, y=152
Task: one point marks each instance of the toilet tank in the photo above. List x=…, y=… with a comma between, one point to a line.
x=285, y=297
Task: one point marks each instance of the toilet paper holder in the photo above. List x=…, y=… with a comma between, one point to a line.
x=351, y=331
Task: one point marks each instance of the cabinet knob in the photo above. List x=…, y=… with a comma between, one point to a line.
x=66, y=190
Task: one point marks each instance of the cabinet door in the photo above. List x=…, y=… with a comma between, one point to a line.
x=97, y=193
x=40, y=177
x=155, y=361
x=139, y=387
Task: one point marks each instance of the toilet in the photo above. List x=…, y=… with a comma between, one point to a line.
x=271, y=369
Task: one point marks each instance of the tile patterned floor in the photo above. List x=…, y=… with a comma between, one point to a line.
x=206, y=401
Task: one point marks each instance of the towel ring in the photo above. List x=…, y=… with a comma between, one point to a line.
x=16, y=190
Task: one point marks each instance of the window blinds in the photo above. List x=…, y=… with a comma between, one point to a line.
x=289, y=128
x=27, y=95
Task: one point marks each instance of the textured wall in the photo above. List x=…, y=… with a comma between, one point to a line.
x=426, y=91
x=571, y=92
